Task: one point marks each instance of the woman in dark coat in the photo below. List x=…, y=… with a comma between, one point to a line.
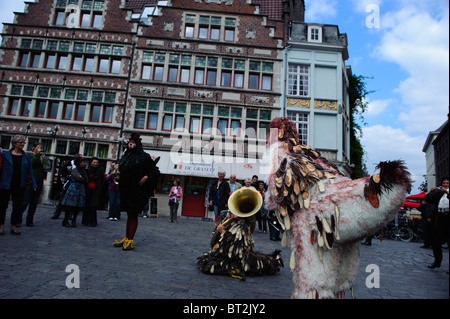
x=95, y=182
x=138, y=178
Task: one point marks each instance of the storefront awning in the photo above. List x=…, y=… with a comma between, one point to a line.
x=192, y=165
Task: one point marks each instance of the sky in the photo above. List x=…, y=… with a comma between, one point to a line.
x=402, y=47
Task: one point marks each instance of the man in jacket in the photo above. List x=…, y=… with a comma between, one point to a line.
x=218, y=195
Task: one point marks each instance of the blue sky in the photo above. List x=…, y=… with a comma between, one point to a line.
x=403, y=45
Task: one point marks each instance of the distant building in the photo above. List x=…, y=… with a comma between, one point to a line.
x=441, y=161
x=316, y=93
x=436, y=155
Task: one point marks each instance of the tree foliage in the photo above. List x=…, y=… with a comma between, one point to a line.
x=358, y=105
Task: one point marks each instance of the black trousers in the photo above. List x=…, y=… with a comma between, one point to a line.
x=440, y=236
x=16, y=194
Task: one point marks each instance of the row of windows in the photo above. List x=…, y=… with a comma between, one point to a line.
x=83, y=13
x=210, y=27
x=202, y=70
x=60, y=61
x=69, y=94
x=68, y=46
x=97, y=105
x=69, y=111
x=199, y=118
x=63, y=147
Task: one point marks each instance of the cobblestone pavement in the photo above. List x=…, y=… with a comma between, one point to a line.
x=163, y=265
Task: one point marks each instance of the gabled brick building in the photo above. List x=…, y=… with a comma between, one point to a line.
x=200, y=80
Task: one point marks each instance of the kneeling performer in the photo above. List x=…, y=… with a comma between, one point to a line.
x=232, y=245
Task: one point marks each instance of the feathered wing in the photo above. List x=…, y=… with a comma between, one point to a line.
x=327, y=214
x=235, y=251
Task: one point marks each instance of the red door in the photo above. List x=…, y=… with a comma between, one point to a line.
x=194, y=196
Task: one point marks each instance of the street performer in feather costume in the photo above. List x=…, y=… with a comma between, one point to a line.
x=233, y=246
x=325, y=213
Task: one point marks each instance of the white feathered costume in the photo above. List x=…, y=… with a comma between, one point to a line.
x=325, y=213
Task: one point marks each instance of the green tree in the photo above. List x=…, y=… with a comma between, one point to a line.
x=358, y=105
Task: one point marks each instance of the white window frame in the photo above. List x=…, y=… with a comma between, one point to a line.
x=315, y=33
x=301, y=121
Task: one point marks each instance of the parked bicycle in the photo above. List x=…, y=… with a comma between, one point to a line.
x=395, y=232
x=416, y=227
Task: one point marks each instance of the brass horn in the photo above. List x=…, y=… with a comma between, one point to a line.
x=245, y=202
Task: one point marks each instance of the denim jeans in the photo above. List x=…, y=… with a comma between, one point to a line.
x=114, y=203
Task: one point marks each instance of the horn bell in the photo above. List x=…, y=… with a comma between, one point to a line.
x=245, y=202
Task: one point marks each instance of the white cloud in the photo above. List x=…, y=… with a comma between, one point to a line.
x=361, y=5
x=418, y=42
x=384, y=143
x=320, y=10
x=378, y=106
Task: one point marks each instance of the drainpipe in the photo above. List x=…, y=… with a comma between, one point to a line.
x=122, y=124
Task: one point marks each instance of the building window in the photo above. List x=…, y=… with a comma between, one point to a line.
x=107, y=65
x=95, y=113
x=229, y=34
x=88, y=64
x=62, y=62
x=158, y=74
x=298, y=80
x=147, y=110
x=41, y=108
x=301, y=122
x=80, y=110
x=51, y=60
x=53, y=110
x=315, y=34
x=189, y=31
x=261, y=75
x=77, y=62
x=68, y=111
x=207, y=125
x=209, y=27
x=232, y=69
x=152, y=123
x=14, y=107
x=25, y=109
x=194, y=126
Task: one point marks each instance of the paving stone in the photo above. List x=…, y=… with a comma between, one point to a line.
x=163, y=265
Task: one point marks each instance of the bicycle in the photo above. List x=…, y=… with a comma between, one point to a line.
x=391, y=231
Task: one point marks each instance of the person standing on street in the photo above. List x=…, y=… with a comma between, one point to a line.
x=175, y=194
x=113, y=191
x=439, y=196
x=234, y=185
x=219, y=194
x=74, y=199
x=17, y=168
x=31, y=197
x=138, y=178
x=96, y=180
